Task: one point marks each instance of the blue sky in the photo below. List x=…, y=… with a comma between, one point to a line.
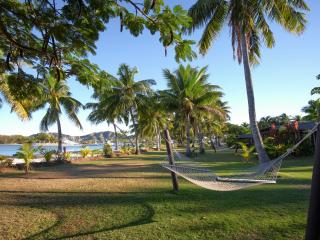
x=282, y=82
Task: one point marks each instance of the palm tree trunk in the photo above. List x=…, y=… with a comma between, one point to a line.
x=188, y=149
x=212, y=144
x=59, y=137
x=159, y=140
x=313, y=222
x=121, y=131
x=174, y=177
x=136, y=133
x=115, y=136
x=200, y=139
x=263, y=157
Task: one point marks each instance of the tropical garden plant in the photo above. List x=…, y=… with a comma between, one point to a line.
x=27, y=153
x=246, y=151
x=85, y=152
x=107, y=150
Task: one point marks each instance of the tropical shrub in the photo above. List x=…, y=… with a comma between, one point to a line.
x=2, y=162
x=247, y=152
x=47, y=154
x=85, y=152
x=231, y=140
x=96, y=152
x=107, y=151
x=127, y=150
x=26, y=152
x=67, y=156
x=274, y=149
x=306, y=148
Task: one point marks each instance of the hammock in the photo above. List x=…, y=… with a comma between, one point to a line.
x=263, y=173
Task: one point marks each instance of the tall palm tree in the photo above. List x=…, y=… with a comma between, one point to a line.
x=265, y=122
x=189, y=93
x=100, y=114
x=249, y=27
x=56, y=96
x=128, y=97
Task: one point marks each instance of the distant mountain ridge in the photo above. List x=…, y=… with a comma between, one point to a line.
x=95, y=137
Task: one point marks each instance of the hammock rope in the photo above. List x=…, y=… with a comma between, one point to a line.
x=266, y=172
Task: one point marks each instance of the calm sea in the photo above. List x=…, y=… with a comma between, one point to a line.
x=11, y=149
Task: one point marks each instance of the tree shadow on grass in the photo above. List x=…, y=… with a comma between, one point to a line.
x=145, y=219
x=191, y=201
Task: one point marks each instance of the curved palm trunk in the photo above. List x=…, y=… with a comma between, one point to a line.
x=115, y=136
x=121, y=131
x=136, y=133
x=263, y=157
x=188, y=149
x=159, y=140
x=59, y=137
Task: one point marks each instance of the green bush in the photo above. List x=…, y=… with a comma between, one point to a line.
x=85, y=152
x=107, y=151
x=96, y=152
x=273, y=149
x=48, y=155
x=247, y=152
x=306, y=148
x=67, y=156
x=231, y=140
x=127, y=150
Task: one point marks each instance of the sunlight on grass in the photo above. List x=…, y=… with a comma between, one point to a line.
x=130, y=198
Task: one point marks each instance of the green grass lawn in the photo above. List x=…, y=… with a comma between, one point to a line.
x=131, y=198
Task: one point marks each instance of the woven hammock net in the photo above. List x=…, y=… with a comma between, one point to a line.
x=261, y=174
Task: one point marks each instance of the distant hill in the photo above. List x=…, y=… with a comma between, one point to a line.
x=96, y=137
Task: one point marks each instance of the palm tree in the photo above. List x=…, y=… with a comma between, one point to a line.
x=249, y=29
x=265, y=122
x=56, y=95
x=215, y=125
x=128, y=97
x=311, y=110
x=153, y=119
x=23, y=106
x=189, y=94
x=99, y=114
x=26, y=152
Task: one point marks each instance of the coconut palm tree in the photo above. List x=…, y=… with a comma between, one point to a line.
x=249, y=27
x=153, y=119
x=128, y=97
x=26, y=152
x=56, y=96
x=100, y=114
x=189, y=94
x=311, y=110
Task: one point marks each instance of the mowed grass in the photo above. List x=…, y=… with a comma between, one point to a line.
x=131, y=198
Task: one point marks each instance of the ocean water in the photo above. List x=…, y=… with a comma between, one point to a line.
x=11, y=149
